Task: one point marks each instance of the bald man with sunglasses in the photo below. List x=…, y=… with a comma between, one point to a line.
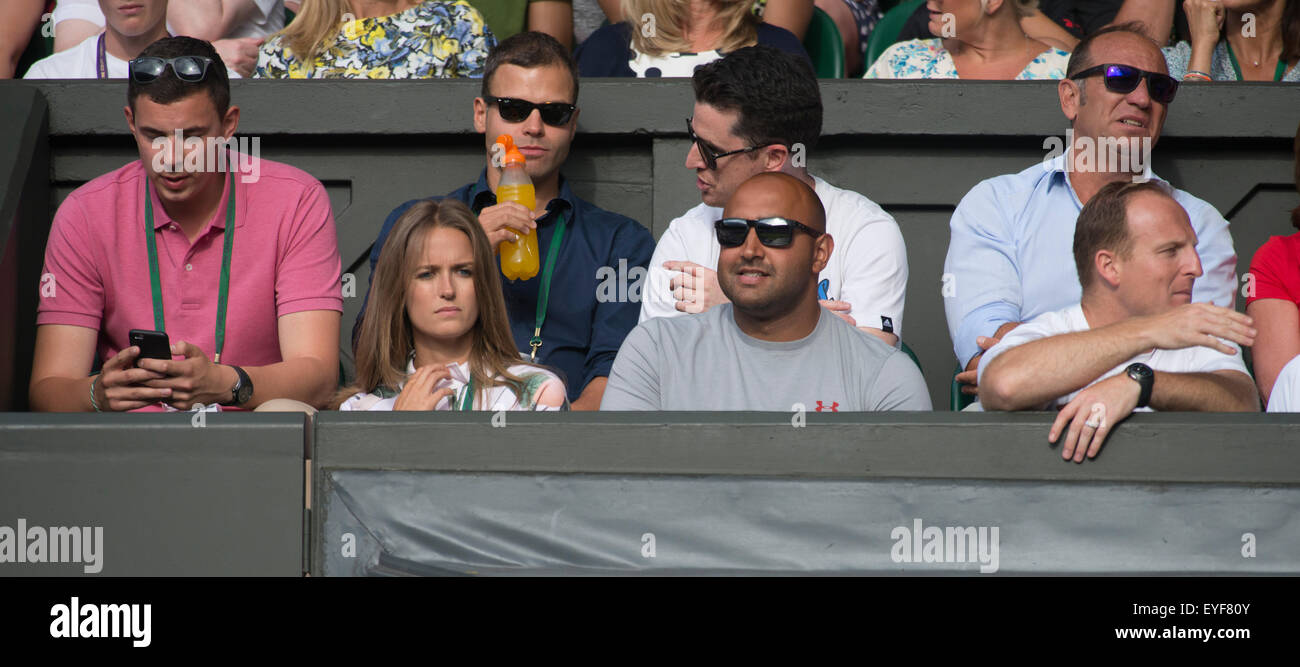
x=771, y=347
x=1009, y=252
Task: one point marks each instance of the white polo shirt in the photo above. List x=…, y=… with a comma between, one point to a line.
x=867, y=269
x=80, y=62
x=1198, y=359
x=266, y=18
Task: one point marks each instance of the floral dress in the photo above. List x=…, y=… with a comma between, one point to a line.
x=927, y=59
x=431, y=40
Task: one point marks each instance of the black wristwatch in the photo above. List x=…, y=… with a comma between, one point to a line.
x=243, y=389
x=1145, y=377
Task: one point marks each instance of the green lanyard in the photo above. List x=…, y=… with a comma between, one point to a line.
x=467, y=401
x=155, y=282
x=1236, y=68
x=544, y=292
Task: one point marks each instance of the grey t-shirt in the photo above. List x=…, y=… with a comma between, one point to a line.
x=705, y=362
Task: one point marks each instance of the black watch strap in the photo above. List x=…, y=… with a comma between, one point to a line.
x=1146, y=378
x=243, y=389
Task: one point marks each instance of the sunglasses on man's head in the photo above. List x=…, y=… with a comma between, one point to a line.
x=512, y=110
x=773, y=232
x=187, y=68
x=1124, y=79
x=710, y=157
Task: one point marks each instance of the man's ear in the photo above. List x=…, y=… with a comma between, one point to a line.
x=824, y=246
x=991, y=7
x=130, y=118
x=230, y=124
x=775, y=157
x=1071, y=98
x=480, y=115
x=1106, y=264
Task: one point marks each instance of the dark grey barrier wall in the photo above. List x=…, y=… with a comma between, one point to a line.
x=152, y=495
x=708, y=493
x=914, y=147
x=24, y=225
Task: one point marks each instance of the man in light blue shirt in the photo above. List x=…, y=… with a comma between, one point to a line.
x=1009, y=257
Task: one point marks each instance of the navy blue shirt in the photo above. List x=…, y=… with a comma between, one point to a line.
x=608, y=51
x=583, y=331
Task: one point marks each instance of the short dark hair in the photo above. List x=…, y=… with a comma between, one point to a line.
x=775, y=92
x=1081, y=59
x=529, y=49
x=167, y=88
x=1103, y=224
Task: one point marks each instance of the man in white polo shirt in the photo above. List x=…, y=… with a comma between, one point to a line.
x=236, y=28
x=1135, y=341
x=756, y=110
x=131, y=26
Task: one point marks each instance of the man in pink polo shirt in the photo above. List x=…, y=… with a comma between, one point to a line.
x=279, y=336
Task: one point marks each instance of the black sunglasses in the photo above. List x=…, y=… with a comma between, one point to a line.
x=187, y=68
x=773, y=232
x=710, y=157
x=517, y=111
x=1124, y=79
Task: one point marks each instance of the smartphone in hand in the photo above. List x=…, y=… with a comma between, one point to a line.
x=152, y=344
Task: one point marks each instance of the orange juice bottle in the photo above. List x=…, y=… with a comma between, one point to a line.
x=519, y=259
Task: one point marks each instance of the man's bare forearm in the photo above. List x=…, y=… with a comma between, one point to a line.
x=1222, y=391
x=57, y=394
x=1038, y=26
x=591, y=395
x=1157, y=16
x=1042, y=370
x=306, y=379
x=208, y=19
x=18, y=20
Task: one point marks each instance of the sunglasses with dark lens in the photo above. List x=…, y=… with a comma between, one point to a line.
x=710, y=157
x=187, y=68
x=1124, y=79
x=517, y=111
x=772, y=232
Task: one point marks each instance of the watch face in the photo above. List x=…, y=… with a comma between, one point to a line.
x=245, y=392
x=1140, y=371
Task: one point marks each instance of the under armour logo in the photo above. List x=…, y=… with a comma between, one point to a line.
x=834, y=406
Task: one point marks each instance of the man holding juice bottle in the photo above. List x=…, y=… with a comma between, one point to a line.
x=529, y=96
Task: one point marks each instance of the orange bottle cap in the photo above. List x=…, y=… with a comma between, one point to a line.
x=512, y=156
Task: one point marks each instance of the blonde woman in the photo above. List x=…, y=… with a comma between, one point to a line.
x=379, y=39
x=436, y=335
x=670, y=38
x=978, y=39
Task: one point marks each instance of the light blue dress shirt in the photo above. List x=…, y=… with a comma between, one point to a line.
x=1011, y=253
